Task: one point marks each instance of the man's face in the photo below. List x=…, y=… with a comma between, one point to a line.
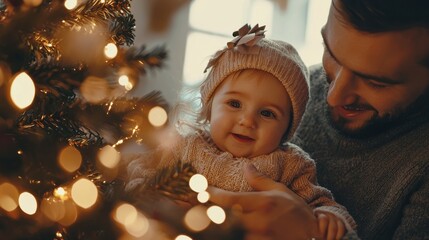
x=250, y=113
x=374, y=78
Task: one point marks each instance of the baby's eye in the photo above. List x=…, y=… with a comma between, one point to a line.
x=234, y=104
x=268, y=114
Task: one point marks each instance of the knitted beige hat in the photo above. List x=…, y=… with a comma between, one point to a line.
x=276, y=57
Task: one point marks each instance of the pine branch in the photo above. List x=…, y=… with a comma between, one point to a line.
x=108, y=9
x=49, y=75
x=122, y=30
x=52, y=115
x=140, y=60
x=98, y=12
x=173, y=182
x=43, y=47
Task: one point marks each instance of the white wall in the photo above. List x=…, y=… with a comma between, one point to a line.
x=169, y=78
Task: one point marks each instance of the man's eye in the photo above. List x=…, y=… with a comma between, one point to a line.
x=375, y=84
x=234, y=104
x=268, y=113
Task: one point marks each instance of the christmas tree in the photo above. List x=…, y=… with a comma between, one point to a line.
x=66, y=68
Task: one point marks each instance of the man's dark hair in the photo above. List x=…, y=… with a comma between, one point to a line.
x=384, y=15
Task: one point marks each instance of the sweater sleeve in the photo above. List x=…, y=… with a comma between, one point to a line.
x=414, y=223
x=300, y=169
x=142, y=169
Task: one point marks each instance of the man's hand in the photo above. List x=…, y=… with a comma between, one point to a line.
x=272, y=212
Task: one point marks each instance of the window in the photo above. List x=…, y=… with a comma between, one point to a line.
x=212, y=22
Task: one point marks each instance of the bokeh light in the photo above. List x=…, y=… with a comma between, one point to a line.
x=157, y=116
x=182, y=237
x=127, y=77
x=70, y=4
x=95, y=89
x=134, y=222
x=128, y=86
x=84, y=193
x=70, y=159
x=109, y=157
x=125, y=214
x=53, y=208
x=110, y=50
x=216, y=214
x=203, y=197
x=196, y=218
x=5, y=73
x=33, y=3
x=59, y=234
x=22, y=90
x=8, y=197
x=61, y=193
x=198, y=183
x=123, y=80
x=27, y=203
x=71, y=214
x=139, y=226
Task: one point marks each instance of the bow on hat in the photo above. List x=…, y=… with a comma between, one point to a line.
x=245, y=37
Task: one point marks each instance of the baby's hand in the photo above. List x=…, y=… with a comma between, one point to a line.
x=330, y=226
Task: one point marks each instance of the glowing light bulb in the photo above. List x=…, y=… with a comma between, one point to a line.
x=22, y=90
x=123, y=80
x=70, y=4
x=109, y=157
x=61, y=193
x=216, y=214
x=84, y=193
x=182, y=237
x=157, y=116
x=110, y=50
x=27, y=203
x=198, y=183
x=203, y=197
x=70, y=159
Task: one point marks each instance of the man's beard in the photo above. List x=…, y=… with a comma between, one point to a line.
x=379, y=124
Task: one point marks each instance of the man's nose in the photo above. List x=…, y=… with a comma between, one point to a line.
x=342, y=88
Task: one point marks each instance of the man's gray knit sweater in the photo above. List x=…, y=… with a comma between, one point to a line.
x=383, y=180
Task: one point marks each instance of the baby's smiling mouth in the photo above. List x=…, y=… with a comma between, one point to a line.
x=242, y=138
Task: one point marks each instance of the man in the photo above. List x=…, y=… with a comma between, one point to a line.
x=366, y=126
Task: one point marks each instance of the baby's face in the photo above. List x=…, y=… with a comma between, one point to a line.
x=250, y=113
